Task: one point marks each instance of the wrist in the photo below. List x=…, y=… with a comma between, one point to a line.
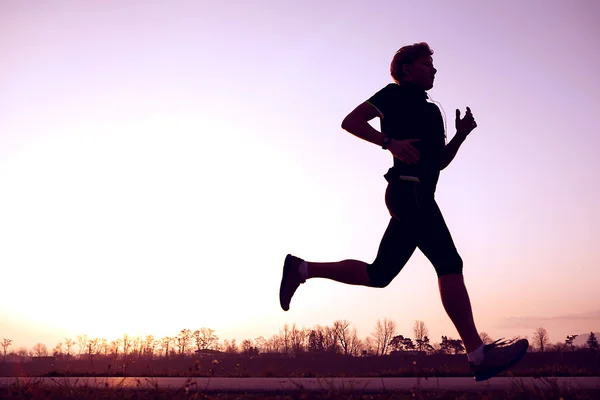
x=385, y=142
x=461, y=135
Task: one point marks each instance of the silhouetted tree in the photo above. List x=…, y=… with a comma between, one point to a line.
x=103, y=347
x=272, y=345
x=166, y=343
x=115, y=346
x=260, y=343
x=248, y=348
x=127, y=344
x=356, y=345
x=592, y=341
x=540, y=338
x=384, y=332
x=297, y=339
x=369, y=346
x=58, y=351
x=426, y=345
x=569, y=341
x=341, y=329
x=23, y=352
x=420, y=331
x=400, y=343
x=558, y=347
x=451, y=346
x=183, y=341
x=284, y=334
x=6, y=343
x=69, y=343
x=82, y=342
x=39, y=350
x=315, y=341
x=231, y=346
x=205, y=338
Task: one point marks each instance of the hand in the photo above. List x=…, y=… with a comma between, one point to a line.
x=404, y=150
x=465, y=125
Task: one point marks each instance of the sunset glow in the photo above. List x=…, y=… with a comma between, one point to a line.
x=159, y=160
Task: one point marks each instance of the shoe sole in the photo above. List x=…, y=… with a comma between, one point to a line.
x=286, y=269
x=496, y=371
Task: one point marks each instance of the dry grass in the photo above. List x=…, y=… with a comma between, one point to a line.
x=147, y=388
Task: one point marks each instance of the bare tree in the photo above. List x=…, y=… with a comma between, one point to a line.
x=341, y=329
x=369, y=346
x=103, y=347
x=5, y=345
x=82, y=342
x=39, y=350
x=166, y=343
x=69, y=343
x=23, y=352
x=127, y=343
x=58, y=350
x=274, y=344
x=284, y=334
x=329, y=339
x=184, y=340
x=260, y=343
x=384, y=332
x=231, y=346
x=420, y=331
x=149, y=346
x=541, y=339
x=356, y=345
x=205, y=338
x=115, y=346
x=297, y=339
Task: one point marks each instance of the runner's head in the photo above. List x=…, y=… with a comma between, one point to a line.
x=413, y=63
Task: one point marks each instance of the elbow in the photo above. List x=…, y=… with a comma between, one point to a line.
x=349, y=124
x=346, y=123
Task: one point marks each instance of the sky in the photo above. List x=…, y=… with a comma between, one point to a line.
x=158, y=160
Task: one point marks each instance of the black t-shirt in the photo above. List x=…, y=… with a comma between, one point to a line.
x=405, y=113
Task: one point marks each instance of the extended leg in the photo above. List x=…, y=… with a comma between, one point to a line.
x=436, y=243
x=455, y=299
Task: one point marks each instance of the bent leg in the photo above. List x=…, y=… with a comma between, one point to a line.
x=437, y=245
x=352, y=272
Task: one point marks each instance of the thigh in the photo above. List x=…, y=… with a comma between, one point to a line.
x=435, y=241
x=400, y=238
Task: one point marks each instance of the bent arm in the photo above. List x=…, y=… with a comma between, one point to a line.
x=357, y=123
x=451, y=149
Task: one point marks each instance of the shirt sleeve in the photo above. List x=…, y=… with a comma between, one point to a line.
x=383, y=100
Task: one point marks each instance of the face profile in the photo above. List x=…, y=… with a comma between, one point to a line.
x=421, y=72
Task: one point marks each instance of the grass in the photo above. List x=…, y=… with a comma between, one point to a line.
x=147, y=388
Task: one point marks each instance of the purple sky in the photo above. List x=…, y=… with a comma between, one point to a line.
x=159, y=159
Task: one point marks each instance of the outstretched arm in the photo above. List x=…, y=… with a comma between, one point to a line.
x=464, y=126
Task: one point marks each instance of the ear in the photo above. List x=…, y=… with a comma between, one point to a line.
x=406, y=70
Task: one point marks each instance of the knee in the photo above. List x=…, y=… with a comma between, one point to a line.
x=378, y=276
x=453, y=265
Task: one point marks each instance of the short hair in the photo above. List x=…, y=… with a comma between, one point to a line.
x=408, y=55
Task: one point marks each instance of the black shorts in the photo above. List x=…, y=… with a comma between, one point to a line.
x=416, y=222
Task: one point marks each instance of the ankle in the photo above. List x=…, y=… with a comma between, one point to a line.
x=476, y=356
x=303, y=269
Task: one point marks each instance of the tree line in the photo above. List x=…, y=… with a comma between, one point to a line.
x=339, y=338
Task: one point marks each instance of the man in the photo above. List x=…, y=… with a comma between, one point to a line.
x=412, y=129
